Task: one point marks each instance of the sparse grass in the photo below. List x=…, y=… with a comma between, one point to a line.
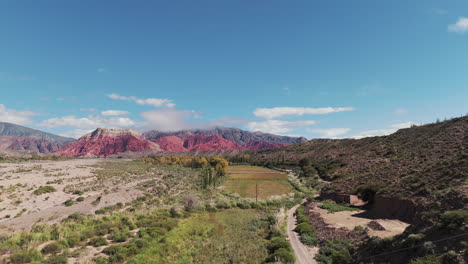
x=334, y=207
x=266, y=188
x=230, y=236
x=44, y=189
x=245, y=182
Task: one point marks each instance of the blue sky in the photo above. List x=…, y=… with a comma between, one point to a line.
x=312, y=68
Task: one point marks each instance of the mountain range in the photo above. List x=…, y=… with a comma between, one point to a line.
x=105, y=142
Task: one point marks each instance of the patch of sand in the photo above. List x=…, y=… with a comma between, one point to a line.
x=351, y=219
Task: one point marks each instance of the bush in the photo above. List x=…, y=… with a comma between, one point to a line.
x=57, y=259
x=455, y=219
x=77, y=192
x=310, y=240
x=277, y=243
x=97, y=241
x=44, y=189
x=68, y=202
x=116, y=253
x=80, y=199
x=120, y=236
x=52, y=248
x=334, y=252
x=26, y=256
x=305, y=228
x=283, y=255
x=101, y=260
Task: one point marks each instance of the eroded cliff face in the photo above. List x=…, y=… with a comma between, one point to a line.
x=386, y=207
x=104, y=142
x=394, y=208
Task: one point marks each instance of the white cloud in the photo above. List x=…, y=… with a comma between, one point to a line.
x=331, y=132
x=114, y=113
x=14, y=116
x=271, y=113
x=382, y=132
x=277, y=126
x=146, y=101
x=461, y=26
x=90, y=122
x=101, y=70
x=400, y=111
x=155, y=102
x=76, y=133
x=168, y=119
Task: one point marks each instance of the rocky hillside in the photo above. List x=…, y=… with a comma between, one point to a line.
x=239, y=136
x=104, y=142
x=414, y=163
x=16, y=137
x=8, y=129
x=28, y=144
x=418, y=175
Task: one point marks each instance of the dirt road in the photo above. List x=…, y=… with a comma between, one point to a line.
x=304, y=254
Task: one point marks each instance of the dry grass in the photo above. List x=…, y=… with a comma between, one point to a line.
x=245, y=179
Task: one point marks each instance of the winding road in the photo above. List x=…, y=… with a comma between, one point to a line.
x=304, y=254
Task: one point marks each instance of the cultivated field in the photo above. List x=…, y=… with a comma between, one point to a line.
x=245, y=179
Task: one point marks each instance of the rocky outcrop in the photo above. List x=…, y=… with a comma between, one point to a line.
x=394, y=208
x=170, y=143
x=104, y=142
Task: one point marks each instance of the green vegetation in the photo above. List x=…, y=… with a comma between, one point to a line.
x=230, y=236
x=97, y=241
x=69, y=202
x=334, y=252
x=305, y=230
x=334, y=207
x=44, y=189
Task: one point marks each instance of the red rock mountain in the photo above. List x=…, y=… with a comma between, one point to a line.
x=170, y=143
x=104, y=142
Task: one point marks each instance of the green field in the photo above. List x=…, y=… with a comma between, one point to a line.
x=230, y=236
x=245, y=179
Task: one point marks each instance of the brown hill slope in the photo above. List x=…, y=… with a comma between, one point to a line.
x=414, y=163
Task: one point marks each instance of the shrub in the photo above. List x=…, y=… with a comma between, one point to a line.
x=120, y=236
x=305, y=228
x=455, y=219
x=26, y=256
x=310, y=240
x=52, y=248
x=334, y=252
x=78, y=192
x=277, y=243
x=44, y=189
x=57, y=259
x=80, y=199
x=283, y=255
x=358, y=228
x=101, y=260
x=68, y=202
x=97, y=241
